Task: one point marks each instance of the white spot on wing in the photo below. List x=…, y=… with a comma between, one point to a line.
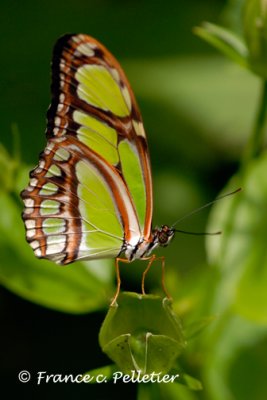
x=76, y=39
x=61, y=139
x=28, y=210
x=55, y=248
x=139, y=129
x=60, y=107
x=33, y=182
x=30, y=223
x=85, y=49
x=28, y=202
x=56, y=131
x=40, y=167
x=49, y=148
x=127, y=97
x=30, y=233
x=38, y=252
x=56, y=239
x=115, y=74
x=57, y=121
x=35, y=244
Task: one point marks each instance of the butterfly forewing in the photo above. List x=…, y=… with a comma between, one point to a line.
x=91, y=192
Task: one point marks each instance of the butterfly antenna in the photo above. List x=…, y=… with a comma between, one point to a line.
x=198, y=233
x=202, y=208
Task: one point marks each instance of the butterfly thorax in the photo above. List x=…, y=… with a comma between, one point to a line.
x=159, y=237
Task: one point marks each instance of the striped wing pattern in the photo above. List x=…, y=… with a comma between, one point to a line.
x=91, y=194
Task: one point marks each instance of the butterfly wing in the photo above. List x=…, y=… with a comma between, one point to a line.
x=91, y=193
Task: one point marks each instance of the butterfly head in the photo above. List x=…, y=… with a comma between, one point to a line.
x=164, y=235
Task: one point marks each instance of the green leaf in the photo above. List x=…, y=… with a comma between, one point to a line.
x=141, y=333
x=190, y=382
x=166, y=391
x=231, y=13
x=225, y=41
x=99, y=375
x=162, y=351
x=241, y=252
x=78, y=288
x=196, y=327
x=8, y=167
x=235, y=360
x=255, y=32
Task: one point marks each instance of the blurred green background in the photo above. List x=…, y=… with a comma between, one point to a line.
x=198, y=110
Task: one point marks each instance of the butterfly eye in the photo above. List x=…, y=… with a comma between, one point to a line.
x=165, y=235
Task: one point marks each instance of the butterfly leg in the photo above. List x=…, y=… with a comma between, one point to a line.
x=163, y=277
x=117, y=267
x=151, y=260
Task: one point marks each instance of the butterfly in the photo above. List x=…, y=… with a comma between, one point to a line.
x=90, y=197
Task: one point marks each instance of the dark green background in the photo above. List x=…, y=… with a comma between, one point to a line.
x=195, y=136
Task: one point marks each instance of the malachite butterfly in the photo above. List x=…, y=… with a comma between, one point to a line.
x=90, y=197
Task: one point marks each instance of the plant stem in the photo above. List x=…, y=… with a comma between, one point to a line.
x=255, y=143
